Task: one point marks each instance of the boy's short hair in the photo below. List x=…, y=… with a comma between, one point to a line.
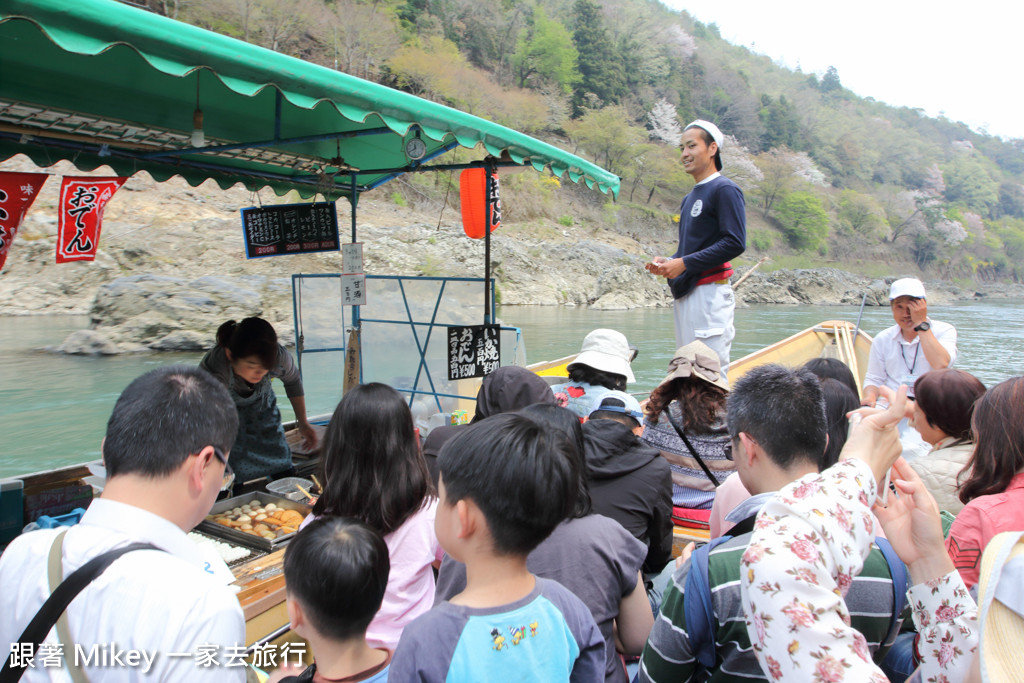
x=520, y=475
x=337, y=569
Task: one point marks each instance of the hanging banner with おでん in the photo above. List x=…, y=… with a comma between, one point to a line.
x=473, y=351
x=17, y=192
x=80, y=218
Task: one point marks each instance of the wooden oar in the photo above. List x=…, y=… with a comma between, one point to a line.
x=747, y=274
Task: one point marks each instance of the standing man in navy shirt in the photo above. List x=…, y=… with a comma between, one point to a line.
x=712, y=230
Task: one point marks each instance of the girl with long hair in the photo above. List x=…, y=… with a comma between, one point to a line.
x=373, y=470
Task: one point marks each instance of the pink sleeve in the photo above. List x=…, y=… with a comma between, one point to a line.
x=728, y=495
x=434, y=544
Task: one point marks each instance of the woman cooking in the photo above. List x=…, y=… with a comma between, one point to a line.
x=247, y=356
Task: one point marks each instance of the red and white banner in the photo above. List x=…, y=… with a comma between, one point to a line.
x=82, y=201
x=17, y=192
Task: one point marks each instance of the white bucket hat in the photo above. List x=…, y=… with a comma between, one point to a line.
x=606, y=350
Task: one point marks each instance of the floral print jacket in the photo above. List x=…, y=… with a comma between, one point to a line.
x=809, y=543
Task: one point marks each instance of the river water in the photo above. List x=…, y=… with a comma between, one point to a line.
x=53, y=408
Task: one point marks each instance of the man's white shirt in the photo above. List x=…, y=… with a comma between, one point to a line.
x=166, y=604
x=895, y=361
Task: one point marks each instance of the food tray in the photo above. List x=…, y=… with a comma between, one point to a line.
x=289, y=488
x=254, y=551
x=242, y=538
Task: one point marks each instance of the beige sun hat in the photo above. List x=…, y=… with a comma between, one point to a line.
x=696, y=359
x=1001, y=608
x=606, y=350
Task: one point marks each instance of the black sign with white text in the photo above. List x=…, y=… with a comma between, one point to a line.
x=473, y=351
x=290, y=229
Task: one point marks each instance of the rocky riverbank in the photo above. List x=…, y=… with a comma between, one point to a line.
x=171, y=267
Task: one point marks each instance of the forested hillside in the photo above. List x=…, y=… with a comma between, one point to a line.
x=828, y=176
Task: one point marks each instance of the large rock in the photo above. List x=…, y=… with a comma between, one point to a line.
x=167, y=313
x=831, y=287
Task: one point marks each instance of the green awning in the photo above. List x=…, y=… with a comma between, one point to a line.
x=101, y=83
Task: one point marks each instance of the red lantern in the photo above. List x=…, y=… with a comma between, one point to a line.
x=472, y=191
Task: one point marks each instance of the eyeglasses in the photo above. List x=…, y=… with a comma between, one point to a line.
x=728, y=450
x=229, y=474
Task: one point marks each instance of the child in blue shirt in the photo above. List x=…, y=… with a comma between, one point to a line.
x=505, y=484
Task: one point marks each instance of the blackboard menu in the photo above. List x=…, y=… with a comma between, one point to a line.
x=473, y=351
x=290, y=229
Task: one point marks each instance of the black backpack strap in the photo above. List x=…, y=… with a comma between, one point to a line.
x=682, y=435
x=59, y=600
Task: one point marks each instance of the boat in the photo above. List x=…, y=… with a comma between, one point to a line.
x=133, y=91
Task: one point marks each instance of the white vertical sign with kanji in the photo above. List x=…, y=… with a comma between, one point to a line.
x=353, y=289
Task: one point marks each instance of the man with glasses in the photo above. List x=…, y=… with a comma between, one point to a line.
x=165, y=452
x=776, y=419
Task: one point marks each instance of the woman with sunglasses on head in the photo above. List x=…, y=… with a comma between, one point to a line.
x=246, y=357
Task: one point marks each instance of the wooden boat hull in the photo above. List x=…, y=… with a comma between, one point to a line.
x=831, y=339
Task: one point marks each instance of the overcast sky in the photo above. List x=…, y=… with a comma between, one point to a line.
x=963, y=60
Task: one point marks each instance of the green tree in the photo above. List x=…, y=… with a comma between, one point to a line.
x=777, y=179
x=860, y=214
x=1011, y=199
x=607, y=137
x=545, y=52
x=601, y=71
x=803, y=220
x=780, y=122
x=968, y=181
x=830, y=81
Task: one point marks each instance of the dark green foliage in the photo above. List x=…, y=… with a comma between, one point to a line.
x=602, y=77
x=780, y=123
x=830, y=81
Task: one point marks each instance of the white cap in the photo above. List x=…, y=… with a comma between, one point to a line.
x=630, y=406
x=907, y=286
x=606, y=350
x=716, y=134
